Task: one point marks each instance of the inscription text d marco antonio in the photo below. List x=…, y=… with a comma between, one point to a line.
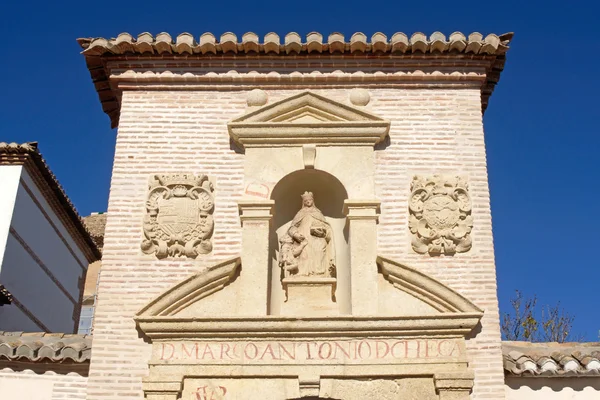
x=310, y=351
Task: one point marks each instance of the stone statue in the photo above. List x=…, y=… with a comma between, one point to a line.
x=307, y=248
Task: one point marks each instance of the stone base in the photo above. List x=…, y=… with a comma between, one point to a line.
x=307, y=296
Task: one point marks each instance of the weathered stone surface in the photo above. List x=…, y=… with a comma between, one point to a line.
x=440, y=215
x=178, y=221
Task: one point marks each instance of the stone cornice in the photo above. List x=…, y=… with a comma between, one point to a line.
x=439, y=325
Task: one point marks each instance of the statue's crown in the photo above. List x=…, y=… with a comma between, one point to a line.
x=307, y=195
x=179, y=179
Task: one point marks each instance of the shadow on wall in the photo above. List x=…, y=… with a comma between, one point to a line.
x=576, y=384
x=329, y=194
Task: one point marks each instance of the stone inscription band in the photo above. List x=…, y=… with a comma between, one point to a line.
x=334, y=351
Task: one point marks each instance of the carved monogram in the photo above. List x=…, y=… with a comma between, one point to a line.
x=178, y=221
x=440, y=215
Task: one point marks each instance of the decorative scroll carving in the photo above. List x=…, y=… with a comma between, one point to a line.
x=307, y=248
x=440, y=215
x=179, y=221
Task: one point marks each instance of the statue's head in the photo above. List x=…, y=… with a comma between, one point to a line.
x=307, y=199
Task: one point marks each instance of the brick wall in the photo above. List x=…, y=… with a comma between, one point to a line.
x=432, y=130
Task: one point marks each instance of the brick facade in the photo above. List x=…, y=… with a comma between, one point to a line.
x=432, y=130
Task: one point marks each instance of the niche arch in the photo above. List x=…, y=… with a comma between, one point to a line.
x=329, y=194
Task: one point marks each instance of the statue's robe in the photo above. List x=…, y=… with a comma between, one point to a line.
x=318, y=253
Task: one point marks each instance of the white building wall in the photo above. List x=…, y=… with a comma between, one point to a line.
x=552, y=388
x=9, y=184
x=37, y=224
x=50, y=385
x=43, y=267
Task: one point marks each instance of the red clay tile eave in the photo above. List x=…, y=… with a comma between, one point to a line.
x=184, y=47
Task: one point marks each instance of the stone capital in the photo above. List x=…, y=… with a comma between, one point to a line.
x=454, y=385
x=256, y=210
x=162, y=390
x=362, y=209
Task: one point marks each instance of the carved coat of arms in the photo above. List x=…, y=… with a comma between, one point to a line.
x=440, y=215
x=179, y=219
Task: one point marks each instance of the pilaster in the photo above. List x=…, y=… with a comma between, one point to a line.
x=255, y=216
x=362, y=217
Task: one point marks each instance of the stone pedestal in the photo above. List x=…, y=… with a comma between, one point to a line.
x=253, y=294
x=309, y=296
x=362, y=217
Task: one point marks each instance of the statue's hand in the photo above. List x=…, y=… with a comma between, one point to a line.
x=318, y=232
x=299, y=237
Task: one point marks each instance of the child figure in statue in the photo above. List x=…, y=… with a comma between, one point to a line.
x=308, y=249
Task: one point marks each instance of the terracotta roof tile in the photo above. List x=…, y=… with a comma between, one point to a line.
x=186, y=46
x=186, y=43
x=45, y=347
x=28, y=154
x=551, y=359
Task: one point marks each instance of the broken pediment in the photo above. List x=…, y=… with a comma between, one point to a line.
x=420, y=292
x=410, y=302
x=307, y=118
x=193, y=289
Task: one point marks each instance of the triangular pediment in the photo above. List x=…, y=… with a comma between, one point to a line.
x=309, y=103
x=308, y=118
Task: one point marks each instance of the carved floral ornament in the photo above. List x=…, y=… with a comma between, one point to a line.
x=178, y=220
x=440, y=215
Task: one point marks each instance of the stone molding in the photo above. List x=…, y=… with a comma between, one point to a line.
x=362, y=209
x=193, y=289
x=178, y=220
x=256, y=210
x=425, y=288
x=307, y=118
x=440, y=325
x=440, y=215
x=454, y=386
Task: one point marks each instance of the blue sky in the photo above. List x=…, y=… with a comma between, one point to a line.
x=541, y=126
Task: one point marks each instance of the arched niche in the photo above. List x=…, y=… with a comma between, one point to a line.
x=329, y=194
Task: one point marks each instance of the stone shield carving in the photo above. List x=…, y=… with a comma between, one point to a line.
x=179, y=220
x=440, y=215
